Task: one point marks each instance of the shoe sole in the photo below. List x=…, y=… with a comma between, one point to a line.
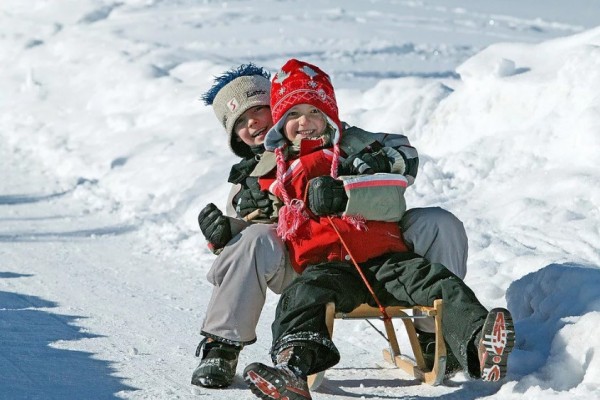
x=497, y=340
x=211, y=383
x=213, y=376
x=260, y=379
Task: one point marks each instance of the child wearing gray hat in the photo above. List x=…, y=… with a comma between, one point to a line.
x=251, y=257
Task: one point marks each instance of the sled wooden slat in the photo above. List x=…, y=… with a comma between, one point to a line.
x=416, y=367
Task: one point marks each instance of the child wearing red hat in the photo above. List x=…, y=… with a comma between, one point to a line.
x=256, y=259
x=306, y=143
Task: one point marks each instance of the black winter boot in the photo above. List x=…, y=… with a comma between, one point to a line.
x=286, y=380
x=218, y=364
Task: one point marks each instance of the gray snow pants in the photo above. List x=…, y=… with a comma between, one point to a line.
x=256, y=259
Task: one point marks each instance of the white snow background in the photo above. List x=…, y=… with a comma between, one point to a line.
x=107, y=155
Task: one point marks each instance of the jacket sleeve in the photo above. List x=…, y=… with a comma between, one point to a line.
x=377, y=197
x=355, y=140
x=409, y=154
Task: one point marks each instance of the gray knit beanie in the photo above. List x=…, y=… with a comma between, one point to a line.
x=234, y=93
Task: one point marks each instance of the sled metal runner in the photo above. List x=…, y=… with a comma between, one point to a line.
x=414, y=367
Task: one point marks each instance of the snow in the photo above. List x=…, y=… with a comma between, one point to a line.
x=107, y=156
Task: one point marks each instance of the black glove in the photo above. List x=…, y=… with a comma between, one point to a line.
x=252, y=198
x=366, y=163
x=215, y=226
x=326, y=195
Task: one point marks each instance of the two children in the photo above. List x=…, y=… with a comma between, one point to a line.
x=252, y=257
x=319, y=211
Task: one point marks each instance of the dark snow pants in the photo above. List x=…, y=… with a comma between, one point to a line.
x=398, y=279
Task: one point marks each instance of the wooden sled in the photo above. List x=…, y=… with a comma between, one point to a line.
x=416, y=367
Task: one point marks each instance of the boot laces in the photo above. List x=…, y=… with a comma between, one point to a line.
x=200, y=346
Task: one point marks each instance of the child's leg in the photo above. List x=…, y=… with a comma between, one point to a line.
x=300, y=317
x=417, y=281
x=301, y=342
x=252, y=261
x=440, y=237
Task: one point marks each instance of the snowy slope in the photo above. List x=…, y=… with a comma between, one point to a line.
x=107, y=155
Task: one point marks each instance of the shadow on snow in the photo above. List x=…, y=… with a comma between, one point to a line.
x=15, y=199
x=35, y=236
x=32, y=369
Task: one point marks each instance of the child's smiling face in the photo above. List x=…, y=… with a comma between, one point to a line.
x=304, y=121
x=252, y=126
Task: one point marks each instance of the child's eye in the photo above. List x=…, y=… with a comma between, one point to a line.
x=239, y=123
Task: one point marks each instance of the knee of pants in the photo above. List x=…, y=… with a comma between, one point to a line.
x=435, y=232
x=300, y=292
x=257, y=250
x=320, y=285
x=432, y=216
x=449, y=221
x=267, y=249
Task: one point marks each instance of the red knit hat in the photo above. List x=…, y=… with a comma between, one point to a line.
x=299, y=82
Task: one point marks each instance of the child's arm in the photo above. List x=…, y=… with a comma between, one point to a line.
x=252, y=202
x=246, y=200
x=378, y=197
x=401, y=156
x=409, y=154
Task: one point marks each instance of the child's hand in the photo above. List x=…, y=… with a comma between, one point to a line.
x=366, y=163
x=215, y=227
x=252, y=199
x=326, y=196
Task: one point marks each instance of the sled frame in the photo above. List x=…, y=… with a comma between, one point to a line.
x=414, y=367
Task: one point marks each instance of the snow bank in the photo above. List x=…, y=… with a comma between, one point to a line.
x=513, y=149
x=557, y=309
